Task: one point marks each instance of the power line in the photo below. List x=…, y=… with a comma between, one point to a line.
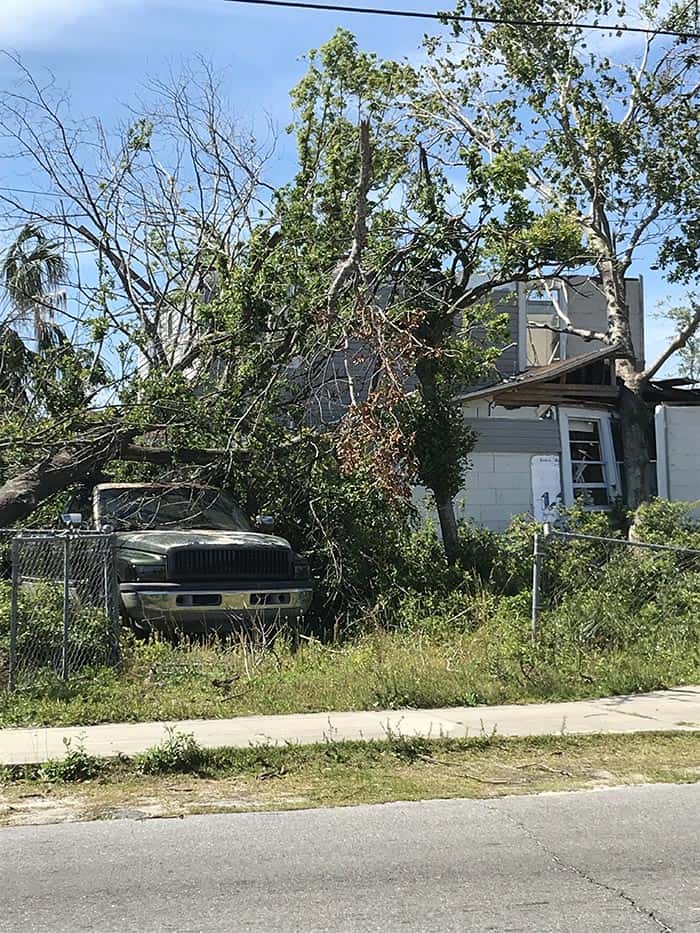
x=461, y=18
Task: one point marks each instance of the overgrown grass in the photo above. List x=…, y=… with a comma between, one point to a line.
x=615, y=620
x=494, y=663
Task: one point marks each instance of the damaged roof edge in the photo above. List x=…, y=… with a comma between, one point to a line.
x=539, y=374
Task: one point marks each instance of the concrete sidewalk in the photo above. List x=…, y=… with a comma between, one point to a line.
x=667, y=710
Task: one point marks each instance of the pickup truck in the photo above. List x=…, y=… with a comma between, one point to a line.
x=188, y=558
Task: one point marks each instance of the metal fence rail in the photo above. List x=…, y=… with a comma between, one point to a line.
x=63, y=613
x=599, y=555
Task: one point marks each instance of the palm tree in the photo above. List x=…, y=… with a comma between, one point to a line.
x=32, y=269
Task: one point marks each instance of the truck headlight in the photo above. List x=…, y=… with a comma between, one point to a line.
x=145, y=573
x=148, y=571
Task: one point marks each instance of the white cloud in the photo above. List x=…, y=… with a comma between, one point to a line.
x=26, y=24
x=31, y=22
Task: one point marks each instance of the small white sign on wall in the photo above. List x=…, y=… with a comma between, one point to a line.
x=546, y=487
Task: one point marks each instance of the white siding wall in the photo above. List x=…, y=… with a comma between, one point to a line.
x=678, y=452
x=498, y=487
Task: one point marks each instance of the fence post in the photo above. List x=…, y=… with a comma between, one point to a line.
x=112, y=598
x=14, y=596
x=66, y=605
x=537, y=554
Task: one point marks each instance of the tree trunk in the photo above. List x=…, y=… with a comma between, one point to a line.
x=634, y=414
x=82, y=461
x=448, y=527
x=22, y=494
x=434, y=468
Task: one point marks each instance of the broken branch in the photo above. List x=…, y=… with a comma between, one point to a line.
x=573, y=331
x=352, y=262
x=680, y=341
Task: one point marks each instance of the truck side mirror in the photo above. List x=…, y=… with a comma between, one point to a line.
x=264, y=522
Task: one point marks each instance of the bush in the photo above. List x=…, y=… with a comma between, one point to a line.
x=179, y=753
x=76, y=765
x=662, y=522
x=426, y=591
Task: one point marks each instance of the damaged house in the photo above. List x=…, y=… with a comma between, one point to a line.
x=547, y=425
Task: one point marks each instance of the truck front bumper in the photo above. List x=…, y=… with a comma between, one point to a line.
x=197, y=607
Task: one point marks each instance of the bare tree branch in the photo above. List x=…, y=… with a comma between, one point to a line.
x=351, y=264
x=684, y=335
x=572, y=331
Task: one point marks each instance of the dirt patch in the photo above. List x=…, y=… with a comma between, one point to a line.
x=110, y=802
x=36, y=809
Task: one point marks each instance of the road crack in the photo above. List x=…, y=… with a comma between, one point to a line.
x=561, y=863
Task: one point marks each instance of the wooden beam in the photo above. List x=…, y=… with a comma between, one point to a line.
x=534, y=401
x=554, y=392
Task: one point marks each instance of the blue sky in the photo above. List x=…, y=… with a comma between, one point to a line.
x=101, y=51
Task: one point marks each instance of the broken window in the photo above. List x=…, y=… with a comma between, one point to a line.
x=541, y=321
x=589, y=468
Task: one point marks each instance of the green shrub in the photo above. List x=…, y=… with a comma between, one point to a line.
x=91, y=638
x=179, y=753
x=662, y=522
x=76, y=765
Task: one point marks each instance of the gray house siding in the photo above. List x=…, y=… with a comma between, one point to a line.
x=507, y=363
x=585, y=305
x=587, y=310
x=330, y=381
x=513, y=435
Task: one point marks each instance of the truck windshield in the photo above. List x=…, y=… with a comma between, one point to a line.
x=169, y=508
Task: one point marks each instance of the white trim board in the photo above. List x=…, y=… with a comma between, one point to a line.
x=612, y=473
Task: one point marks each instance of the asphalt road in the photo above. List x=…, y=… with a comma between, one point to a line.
x=596, y=862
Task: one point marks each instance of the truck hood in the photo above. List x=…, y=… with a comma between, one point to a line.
x=160, y=542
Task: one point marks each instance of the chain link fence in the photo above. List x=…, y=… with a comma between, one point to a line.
x=59, y=604
x=608, y=582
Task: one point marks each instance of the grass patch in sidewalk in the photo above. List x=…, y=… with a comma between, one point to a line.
x=180, y=778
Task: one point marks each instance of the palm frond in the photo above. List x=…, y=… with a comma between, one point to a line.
x=33, y=266
x=15, y=364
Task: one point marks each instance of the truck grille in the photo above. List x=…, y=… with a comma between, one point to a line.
x=229, y=563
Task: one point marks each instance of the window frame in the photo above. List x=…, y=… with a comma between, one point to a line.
x=609, y=461
x=524, y=289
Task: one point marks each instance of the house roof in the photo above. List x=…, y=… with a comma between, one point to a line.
x=675, y=381
x=538, y=374
x=660, y=391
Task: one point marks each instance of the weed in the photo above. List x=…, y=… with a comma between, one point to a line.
x=76, y=765
x=409, y=748
x=179, y=753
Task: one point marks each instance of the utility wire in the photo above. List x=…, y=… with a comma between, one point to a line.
x=461, y=18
